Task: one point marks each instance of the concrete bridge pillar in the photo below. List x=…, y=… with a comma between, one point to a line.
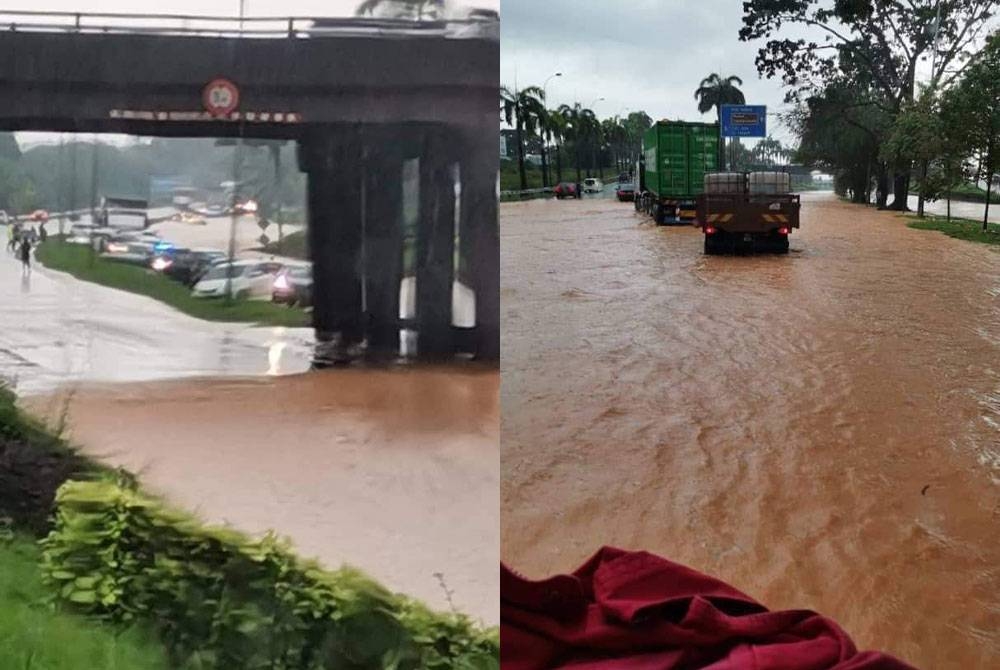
x=479, y=234
x=383, y=175
x=332, y=159
x=436, y=246
x=356, y=187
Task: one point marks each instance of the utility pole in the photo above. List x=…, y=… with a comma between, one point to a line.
x=237, y=165
x=95, y=166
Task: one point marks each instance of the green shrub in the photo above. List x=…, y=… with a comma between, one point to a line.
x=219, y=599
x=33, y=465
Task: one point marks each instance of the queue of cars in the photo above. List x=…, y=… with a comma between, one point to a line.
x=207, y=272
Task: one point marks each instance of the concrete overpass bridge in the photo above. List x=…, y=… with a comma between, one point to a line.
x=394, y=121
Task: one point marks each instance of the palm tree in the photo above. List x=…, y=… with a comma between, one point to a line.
x=522, y=109
x=715, y=91
x=545, y=135
x=637, y=123
x=579, y=122
x=415, y=10
x=556, y=128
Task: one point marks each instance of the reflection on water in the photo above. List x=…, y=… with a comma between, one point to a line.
x=274, y=357
x=817, y=428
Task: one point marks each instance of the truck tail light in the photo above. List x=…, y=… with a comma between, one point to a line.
x=783, y=230
x=709, y=230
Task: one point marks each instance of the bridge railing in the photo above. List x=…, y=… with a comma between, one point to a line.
x=484, y=25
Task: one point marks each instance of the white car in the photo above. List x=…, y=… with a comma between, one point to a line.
x=592, y=185
x=251, y=280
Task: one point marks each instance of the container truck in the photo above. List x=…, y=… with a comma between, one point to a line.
x=739, y=211
x=676, y=156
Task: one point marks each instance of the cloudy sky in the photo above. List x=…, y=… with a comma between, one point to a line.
x=641, y=55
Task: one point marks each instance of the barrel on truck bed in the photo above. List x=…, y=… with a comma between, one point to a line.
x=676, y=157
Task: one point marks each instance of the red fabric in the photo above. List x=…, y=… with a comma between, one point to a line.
x=637, y=611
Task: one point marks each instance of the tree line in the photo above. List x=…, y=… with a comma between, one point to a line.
x=75, y=174
x=569, y=136
x=860, y=109
x=575, y=134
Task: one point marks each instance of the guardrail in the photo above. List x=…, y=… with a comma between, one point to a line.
x=526, y=194
x=476, y=25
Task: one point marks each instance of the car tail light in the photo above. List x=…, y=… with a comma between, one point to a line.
x=783, y=231
x=709, y=230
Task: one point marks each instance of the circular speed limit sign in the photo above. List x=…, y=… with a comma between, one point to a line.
x=220, y=97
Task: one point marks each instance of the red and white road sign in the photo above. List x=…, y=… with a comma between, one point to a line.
x=220, y=97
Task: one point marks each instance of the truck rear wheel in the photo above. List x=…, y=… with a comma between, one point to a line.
x=781, y=244
x=658, y=214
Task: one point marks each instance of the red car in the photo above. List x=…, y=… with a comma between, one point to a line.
x=625, y=191
x=566, y=189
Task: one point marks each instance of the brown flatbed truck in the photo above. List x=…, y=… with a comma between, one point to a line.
x=735, y=222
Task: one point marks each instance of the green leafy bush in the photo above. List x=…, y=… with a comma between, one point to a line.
x=219, y=599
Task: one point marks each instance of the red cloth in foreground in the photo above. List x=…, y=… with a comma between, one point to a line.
x=637, y=611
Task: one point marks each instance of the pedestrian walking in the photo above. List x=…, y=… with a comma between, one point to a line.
x=25, y=253
x=42, y=233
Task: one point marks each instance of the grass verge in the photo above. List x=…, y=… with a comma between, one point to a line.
x=962, y=229
x=33, y=634
x=78, y=260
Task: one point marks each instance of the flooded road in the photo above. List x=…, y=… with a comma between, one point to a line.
x=821, y=430
x=393, y=471
x=57, y=329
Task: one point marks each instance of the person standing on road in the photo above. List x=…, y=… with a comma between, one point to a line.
x=25, y=253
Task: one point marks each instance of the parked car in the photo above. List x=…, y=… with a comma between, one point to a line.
x=128, y=251
x=250, y=279
x=592, y=185
x=201, y=261
x=625, y=191
x=566, y=189
x=79, y=233
x=293, y=286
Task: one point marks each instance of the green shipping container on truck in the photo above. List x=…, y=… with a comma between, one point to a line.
x=677, y=156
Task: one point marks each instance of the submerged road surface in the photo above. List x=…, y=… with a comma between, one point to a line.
x=57, y=329
x=820, y=429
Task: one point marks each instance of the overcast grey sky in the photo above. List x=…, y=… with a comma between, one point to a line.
x=641, y=55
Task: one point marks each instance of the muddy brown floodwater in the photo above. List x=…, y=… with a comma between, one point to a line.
x=821, y=429
x=393, y=471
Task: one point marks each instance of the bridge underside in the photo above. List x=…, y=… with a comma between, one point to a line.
x=387, y=129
